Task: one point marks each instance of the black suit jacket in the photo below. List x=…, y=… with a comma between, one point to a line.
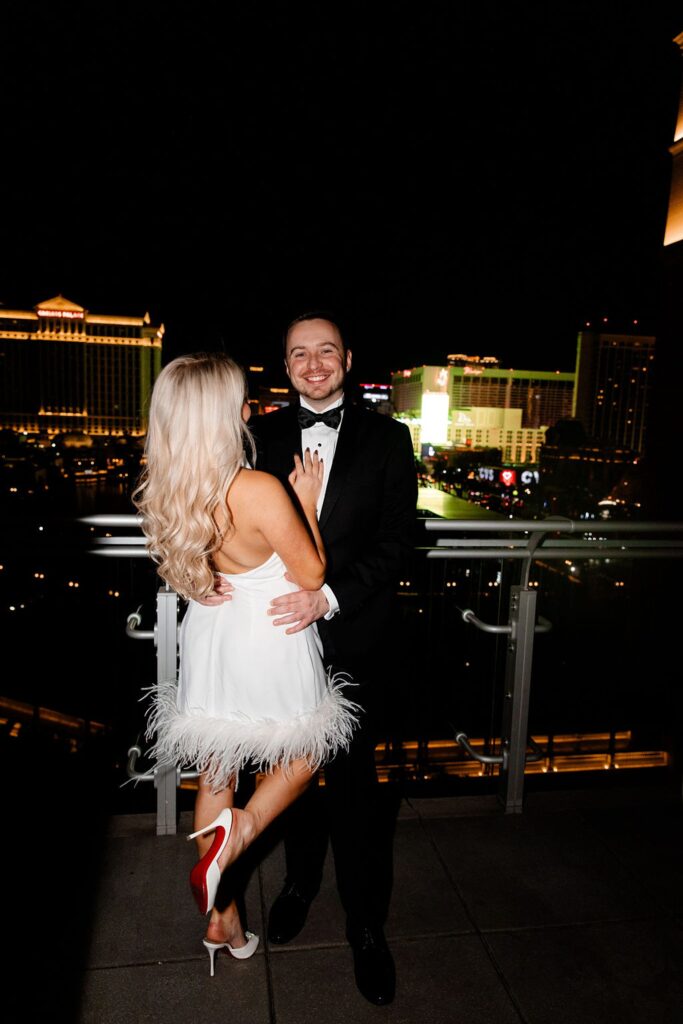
x=367, y=520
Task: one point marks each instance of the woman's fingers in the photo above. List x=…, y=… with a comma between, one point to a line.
x=312, y=465
x=309, y=462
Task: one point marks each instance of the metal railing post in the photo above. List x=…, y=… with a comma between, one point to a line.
x=527, y=541
x=166, y=779
x=516, y=703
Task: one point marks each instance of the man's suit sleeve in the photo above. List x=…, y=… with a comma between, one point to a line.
x=380, y=563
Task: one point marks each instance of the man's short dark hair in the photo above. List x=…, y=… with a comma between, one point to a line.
x=315, y=314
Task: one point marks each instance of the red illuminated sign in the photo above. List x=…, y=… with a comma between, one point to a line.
x=508, y=477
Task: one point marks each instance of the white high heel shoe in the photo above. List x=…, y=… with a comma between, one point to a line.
x=206, y=875
x=239, y=952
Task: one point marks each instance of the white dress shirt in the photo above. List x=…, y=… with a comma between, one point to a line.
x=323, y=440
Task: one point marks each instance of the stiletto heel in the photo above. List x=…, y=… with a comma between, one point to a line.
x=239, y=952
x=206, y=874
x=212, y=947
x=224, y=819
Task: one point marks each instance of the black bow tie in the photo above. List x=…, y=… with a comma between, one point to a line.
x=331, y=418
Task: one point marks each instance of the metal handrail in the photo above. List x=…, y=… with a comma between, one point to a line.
x=514, y=543
x=527, y=541
x=462, y=739
x=540, y=543
x=552, y=555
x=131, y=769
x=551, y=524
x=540, y=540
x=115, y=519
x=132, y=623
x=119, y=551
x=470, y=618
x=543, y=625
x=104, y=541
x=117, y=547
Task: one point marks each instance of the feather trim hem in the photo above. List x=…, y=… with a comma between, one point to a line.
x=220, y=748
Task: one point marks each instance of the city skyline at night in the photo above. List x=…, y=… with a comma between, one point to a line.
x=445, y=178
x=476, y=178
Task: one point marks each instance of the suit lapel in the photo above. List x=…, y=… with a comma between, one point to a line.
x=281, y=447
x=279, y=453
x=344, y=455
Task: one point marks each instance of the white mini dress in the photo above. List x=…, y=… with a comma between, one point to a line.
x=248, y=692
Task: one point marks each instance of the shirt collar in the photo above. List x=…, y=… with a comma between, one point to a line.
x=332, y=405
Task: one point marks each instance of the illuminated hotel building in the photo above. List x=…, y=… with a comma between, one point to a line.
x=663, y=441
x=544, y=397
x=674, y=220
x=474, y=403
x=65, y=369
x=613, y=386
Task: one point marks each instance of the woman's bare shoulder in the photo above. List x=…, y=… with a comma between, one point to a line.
x=253, y=484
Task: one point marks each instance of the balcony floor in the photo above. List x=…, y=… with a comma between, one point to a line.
x=570, y=912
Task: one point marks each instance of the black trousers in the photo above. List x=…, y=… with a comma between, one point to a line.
x=347, y=812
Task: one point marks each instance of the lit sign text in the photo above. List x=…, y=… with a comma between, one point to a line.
x=61, y=314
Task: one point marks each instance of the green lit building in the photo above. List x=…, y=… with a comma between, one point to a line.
x=472, y=402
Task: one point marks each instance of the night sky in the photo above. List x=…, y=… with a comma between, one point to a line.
x=477, y=177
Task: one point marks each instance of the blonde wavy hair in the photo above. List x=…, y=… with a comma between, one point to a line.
x=194, y=449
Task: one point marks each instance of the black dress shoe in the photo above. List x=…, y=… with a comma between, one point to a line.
x=373, y=964
x=287, y=915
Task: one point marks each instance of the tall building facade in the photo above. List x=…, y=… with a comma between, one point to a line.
x=674, y=220
x=473, y=402
x=613, y=385
x=544, y=397
x=663, y=444
x=65, y=369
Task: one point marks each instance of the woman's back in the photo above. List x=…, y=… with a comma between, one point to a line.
x=263, y=521
x=245, y=545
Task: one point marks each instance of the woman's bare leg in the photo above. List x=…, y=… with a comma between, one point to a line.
x=273, y=795
x=207, y=807
x=224, y=925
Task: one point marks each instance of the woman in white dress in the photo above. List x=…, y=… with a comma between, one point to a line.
x=248, y=693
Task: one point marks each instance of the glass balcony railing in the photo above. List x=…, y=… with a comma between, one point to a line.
x=525, y=653
x=581, y=673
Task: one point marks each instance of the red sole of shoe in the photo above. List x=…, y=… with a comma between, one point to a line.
x=198, y=873
x=198, y=886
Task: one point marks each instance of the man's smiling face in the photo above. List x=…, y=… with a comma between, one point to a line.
x=317, y=362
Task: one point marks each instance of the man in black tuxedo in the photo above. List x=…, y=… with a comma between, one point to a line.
x=366, y=513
